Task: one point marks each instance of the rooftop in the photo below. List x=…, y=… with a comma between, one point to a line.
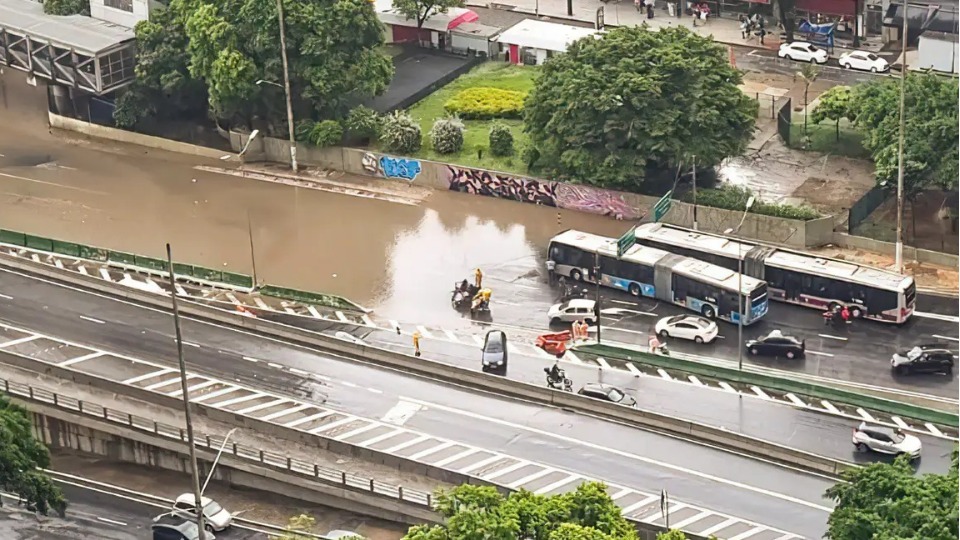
x=80, y=32
x=549, y=36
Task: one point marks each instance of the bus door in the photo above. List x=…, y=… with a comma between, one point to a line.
x=663, y=278
x=753, y=264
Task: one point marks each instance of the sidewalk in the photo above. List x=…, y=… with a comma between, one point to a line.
x=623, y=13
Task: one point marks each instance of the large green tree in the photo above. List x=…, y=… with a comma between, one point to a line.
x=20, y=457
x=632, y=98
x=886, y=501
x=421, y=10
x=333, y=48
x=930, y=135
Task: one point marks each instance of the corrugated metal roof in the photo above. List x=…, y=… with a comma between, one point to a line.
x=85, y=34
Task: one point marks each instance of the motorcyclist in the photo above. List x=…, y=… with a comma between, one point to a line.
x=482, y=298
x=464, y=286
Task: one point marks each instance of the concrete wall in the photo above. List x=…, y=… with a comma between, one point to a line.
x=60, y=428
x=888, y=248
x=130, y=137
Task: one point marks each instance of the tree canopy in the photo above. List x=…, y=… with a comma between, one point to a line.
x=631, y=98
x=20, y=457
x=483, y=513
x=930, y=134
x=223, y=47
x=885, y=501
x=421, y=10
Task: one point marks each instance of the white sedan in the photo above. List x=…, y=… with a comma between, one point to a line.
x=801, y=51
x=864, y=61
x=571, y=311
x=690, y=327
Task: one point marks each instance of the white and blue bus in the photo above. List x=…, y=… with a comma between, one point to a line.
x=707, y=289
x=795, y=277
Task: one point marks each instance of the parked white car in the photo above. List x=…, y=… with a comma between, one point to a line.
x=216, y=517
x=886, y=441
x=801, y=51
x=571, y=311
x=864, y=61
x=692, y=327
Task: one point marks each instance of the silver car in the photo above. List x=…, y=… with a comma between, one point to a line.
x=886, y=440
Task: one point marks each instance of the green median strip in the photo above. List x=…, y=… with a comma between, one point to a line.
x=895, y=408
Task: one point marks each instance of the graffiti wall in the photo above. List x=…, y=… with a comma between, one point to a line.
x=542, y=192
x=391, y=167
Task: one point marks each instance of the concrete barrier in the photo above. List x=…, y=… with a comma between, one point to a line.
x=430, y=370
x=131, y=137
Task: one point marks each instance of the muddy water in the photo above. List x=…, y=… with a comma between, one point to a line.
x=402, y=259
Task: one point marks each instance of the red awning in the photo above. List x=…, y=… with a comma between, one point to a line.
x=465, y=17
x=845, y=8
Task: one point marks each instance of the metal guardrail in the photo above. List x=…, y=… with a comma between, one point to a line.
x=273, y=460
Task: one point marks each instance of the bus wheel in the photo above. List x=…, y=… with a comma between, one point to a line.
x=576, y=275
x=634, y=289
x=856, y=312
x=708, y=312
x=834, y=306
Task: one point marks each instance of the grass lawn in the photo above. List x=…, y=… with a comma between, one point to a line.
x=492, y=74
x=823, y=138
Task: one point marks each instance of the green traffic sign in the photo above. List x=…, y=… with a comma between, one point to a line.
x=662, y=206
x=626, y=242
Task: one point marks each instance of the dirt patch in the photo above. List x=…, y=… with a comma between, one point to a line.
x=926, y=275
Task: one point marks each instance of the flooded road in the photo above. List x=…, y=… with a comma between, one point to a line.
x=400, y=259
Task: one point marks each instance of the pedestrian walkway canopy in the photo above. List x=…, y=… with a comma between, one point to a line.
x=76, y=51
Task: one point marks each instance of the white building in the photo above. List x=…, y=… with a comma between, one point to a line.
x=122, y=12
x=531, y=41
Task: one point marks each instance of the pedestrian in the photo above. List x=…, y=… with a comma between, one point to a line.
x=695, y=12
x=416, y=344
x=761, y=33
x=636, y=4
x=551, y=271
x=679, y=8
x=744, y=27
x=649, y=9
x=478, y=278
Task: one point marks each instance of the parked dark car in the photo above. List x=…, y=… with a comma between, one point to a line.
x=173, y=527
x=923, y=359
x=494, y=354
x=607, y=392
x=777, y=344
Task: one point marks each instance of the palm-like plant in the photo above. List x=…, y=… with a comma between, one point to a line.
x=808, y=74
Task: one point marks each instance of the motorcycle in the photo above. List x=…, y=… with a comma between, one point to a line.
x=834, y=319
x=662, y=350
x=560, y=383
x=462, y=297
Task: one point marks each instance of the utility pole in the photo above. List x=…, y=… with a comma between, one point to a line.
x=286, y=87
x=253, y=256
x=194, y=471
x=596, y=276
x=903, y=91
x=694, y=192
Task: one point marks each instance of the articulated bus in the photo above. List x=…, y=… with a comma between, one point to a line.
x=795, y=277
x=643, y=271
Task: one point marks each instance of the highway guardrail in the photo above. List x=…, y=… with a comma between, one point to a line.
x=198, y=274
x=888, y=406
x=714, y=436
x=301, y=469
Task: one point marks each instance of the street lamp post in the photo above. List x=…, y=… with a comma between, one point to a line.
x=250, y=138
x=216, y=460
x=903, y=90
x=740, y=299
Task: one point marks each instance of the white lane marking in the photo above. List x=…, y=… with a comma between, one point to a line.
x=695, y=380
x=342, y=317
x=378, y=438
x=146, y=376
x=691, y=520
x=331, y=425
x=65, y=186
x=899, y=422
x=233, y=298
x=558, y=484
x=933, y=429
x=58, y=263
x=188, y=343
x=796, y=401
x=241, y=399
x=261, y=406
x=620, y=494
x=395, y=325
x=407, y=444
x=632, y=368
x=374, y=390
x=747, y=534
x=424, y=332
x=83, y=270
x=521, y=463
x=946, y=337
x=948, y=318
x=432, y=450
x=726, y=386
x=401, y=412
x=313, y=311
x=451, y=336
x=79, y=359
x=105, y=274
x=828, y=336
x=250, y=359
x=18, y=341
x=572, y=357
x=285, y=412
x=603, y=362
x=299, y=371
x=830, y=407
x=866, y=416
x=718, y=527
x=218, y=393
x=166, y=382
x=368, y=321
x=112, y=521
x=350, y=384
x=362, y=429
x=290, y=310
x=180, y=290
x=5, y=297
x=482, y=463
x=531, y=477
x=260, y=303
x=664, y=375
x=305, y=419
x=635, y=457
x=477, y=339
x=818, y=353
x=456, y=457
x=622, y=302
x=275, y=365
x=759, y=391
x=638, y=505
x=605, y=328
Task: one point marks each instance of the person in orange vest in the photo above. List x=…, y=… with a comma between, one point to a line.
x=416, y=344
x=478, y=278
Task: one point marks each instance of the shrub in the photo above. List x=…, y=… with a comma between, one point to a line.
x=501, y=139
x=321, y=134
x=401, y=133
x=362, y=123
x=481, y=103
x=446, y=135
x=66, y=7
x=735, y=198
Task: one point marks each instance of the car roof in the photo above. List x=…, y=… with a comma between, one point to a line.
x=890, y=432
x=189, y=498
x=340, y=533
x=600, y=387
x=581, y=302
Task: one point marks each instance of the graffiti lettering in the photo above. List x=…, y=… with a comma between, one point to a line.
x=408, y=169
x=370, y=164
x=558, y=194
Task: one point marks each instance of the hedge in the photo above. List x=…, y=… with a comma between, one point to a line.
x=483, y=103
x=735, y=198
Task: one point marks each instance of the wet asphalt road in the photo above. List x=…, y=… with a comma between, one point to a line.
x=711, y=478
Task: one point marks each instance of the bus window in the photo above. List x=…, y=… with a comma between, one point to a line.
x=878, y=300
x=774, y=276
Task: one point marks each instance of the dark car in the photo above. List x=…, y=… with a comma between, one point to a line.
x=607, y=393
x=777, y=344
x=494, y=353
x=923, y=359
x=172, y=527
